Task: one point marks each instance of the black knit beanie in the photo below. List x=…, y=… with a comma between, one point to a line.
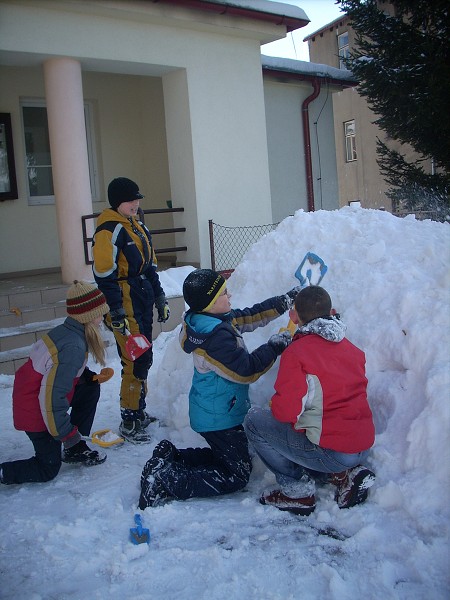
x=121, y=190
x=201, y=288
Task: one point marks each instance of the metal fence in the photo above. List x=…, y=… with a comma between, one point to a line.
x=442, y=216
x=87, y=240
x=229, y=244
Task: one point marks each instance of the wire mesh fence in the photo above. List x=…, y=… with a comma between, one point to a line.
x=229, y=244
x=442, y=216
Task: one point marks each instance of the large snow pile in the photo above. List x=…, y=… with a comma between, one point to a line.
x=389, y=279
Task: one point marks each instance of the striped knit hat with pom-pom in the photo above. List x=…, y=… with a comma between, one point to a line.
x=85, y=302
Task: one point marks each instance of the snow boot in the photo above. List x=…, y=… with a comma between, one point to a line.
x=167, y=451
x=83, y=455
x=145, y=419
x=153, y=492
x=297, y=506
x=133, y=432
x=352, y=486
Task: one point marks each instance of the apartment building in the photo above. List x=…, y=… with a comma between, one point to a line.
x=359, y=177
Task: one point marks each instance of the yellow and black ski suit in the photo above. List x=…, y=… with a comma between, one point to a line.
x=125, y=271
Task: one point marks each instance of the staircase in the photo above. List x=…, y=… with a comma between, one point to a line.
x=31, y=306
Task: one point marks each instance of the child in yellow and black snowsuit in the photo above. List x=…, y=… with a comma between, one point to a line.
x=125, y=271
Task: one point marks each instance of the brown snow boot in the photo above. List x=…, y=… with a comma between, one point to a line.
x=352, y=485
x=298, y=506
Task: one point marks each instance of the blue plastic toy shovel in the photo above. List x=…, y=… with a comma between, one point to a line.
x=139, y=534
x=311, y=270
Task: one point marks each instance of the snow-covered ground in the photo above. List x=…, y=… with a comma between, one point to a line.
x=389, y=279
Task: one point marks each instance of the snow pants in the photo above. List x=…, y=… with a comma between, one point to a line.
x=138, y=300
x=222, y=468
x=46, y=463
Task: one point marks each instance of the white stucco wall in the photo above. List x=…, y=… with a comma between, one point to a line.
x=28, y=237
x=224, y=174
x=130, y=141
x=286, y=147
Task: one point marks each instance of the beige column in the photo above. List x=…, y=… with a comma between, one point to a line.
x=65, y=110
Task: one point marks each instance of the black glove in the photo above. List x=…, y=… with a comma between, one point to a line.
x=288, y=298
x=87, y=377
x=292, y=294
x=162, y=306
x=280, y=341
x=119, y=322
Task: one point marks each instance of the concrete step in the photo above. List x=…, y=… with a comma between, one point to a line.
x=22, y=297
x=16, y=340
x=20, y=317
x=21, y=305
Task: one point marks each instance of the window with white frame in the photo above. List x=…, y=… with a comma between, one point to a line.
x=350, y=141
x=38, y=156
x=343, y=49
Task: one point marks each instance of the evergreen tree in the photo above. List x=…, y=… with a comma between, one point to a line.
x=402, y=63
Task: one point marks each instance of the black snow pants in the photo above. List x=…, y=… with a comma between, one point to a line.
x=222, y=468
x=46, y=462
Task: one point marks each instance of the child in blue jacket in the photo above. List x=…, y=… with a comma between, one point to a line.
x=218, y=400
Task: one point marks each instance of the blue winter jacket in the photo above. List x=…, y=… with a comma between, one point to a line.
x=223, y=367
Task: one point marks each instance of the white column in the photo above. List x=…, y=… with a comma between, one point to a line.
x=65, y=110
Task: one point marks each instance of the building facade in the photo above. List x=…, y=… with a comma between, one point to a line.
x=171, y=94
x=355, y=132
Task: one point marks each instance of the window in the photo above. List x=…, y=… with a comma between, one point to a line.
x=8, y=183
x=350, y=141
x=38, y=156
x=343, y=49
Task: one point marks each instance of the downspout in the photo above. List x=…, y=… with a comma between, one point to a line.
x=307, y=143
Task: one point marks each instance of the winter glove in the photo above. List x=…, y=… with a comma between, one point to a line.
x=119, y=322
x=280, y=341
x=289, y=297
x=292, y=294
x=162, y=306
x=73, y=439
x=88, y=377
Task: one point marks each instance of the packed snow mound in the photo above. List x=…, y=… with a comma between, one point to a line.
x=390, y=281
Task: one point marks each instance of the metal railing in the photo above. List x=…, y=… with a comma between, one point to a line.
x=229, y=244
x=87, y=241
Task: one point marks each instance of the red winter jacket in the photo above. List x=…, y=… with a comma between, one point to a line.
x=321, y=388
x=45, y=384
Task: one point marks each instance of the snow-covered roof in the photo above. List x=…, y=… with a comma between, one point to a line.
x=274, y=8
x=329, y=25
x=303, y=67
x=292, y=17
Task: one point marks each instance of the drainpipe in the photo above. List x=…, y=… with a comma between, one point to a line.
x=307, y=143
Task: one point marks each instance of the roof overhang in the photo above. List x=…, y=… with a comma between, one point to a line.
x=276, y=13
x=287, y=68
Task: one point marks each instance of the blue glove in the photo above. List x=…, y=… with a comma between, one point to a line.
x=162, y=306
x=280, y=341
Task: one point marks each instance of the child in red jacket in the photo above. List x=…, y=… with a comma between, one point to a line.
x=55, y=396
x=320, y=425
